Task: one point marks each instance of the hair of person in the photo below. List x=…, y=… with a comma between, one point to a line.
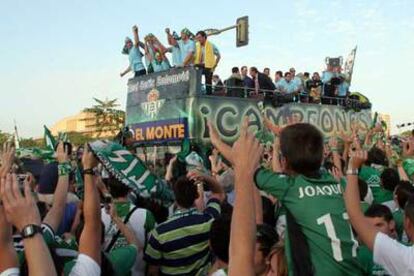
x=243, y=67
x=266, y=68
x=266, y=236
x=376, y=156
x=219, y=237
x=185, y=191
x=268, y=211
x=299, y=247
x=287, y=74
x=302, y=146
x=202, y=33
x=390, y=179
x=279, y=73
x=278, y=250
x=235, y=70
x=379, y=211
x=178, y=169
x=403, y=192
x=254, y=69
x=116, y=188
x=363, y=189
x=409, y=209
x=306, y=74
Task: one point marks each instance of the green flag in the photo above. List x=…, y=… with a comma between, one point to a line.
x=50, y=141
x=131, y=171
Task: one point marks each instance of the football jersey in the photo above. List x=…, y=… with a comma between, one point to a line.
x=319, y=209
x=373, y=179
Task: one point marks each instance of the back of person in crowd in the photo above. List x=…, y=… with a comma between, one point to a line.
x=234, y=84
x=155, y=55
x=179, y=246
x=402, y=193
x=263, y=85
x=207, y=57
x=131, y=48
x=139, y=220
x=183, y=49
x=310, y=231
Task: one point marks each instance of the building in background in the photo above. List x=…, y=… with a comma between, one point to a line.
x=84, y=123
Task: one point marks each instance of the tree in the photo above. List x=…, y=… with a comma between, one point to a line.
x=31, y=143
x=78, y=139
x=108, y=119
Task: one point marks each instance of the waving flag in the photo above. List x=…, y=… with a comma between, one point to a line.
x=50, y=141
x=349, y=64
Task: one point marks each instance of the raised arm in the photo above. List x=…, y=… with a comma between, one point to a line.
x=90, y=239
x=125, y=230
x=136, y=37
x=215, y=187
x=7, y=159
x=170, y=38
x=246, y=153
x=22, y=212
x=54, y=217
x=222, y=147
x=365, y=230
x=8, y=256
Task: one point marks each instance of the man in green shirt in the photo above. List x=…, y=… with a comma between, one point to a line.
x=319, y=238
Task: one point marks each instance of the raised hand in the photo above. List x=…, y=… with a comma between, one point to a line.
x=7, y=159
x=20, y=210
x=358, y=158
x=62, y=155
x=88, y=159
x=246, y=151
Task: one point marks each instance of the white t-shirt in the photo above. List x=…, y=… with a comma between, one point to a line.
x=14, y=271
x=85, y=265
x=137, y=223
x=396, y=258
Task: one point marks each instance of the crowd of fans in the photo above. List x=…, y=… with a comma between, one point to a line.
x=301, y=206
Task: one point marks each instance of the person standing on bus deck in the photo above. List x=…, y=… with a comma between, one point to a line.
x=207, y=57
x=135, y=56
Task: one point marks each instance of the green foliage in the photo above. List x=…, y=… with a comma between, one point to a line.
x=109, y=119
x=78, y=139
x=31, y=143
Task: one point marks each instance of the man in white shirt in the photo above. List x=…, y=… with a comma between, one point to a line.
x=396, y=258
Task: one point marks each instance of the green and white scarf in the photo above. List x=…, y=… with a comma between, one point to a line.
x=131, y=171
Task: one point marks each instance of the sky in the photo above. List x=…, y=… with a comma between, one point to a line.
x=55, y=56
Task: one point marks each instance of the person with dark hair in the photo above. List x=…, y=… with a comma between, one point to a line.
x=247, y=81
x=320, y=238
x=139, y=220
x=217, y=84
x=263, y=85
x=266, y=238
x=185, y=45
x=179, y=246
x=207, y=57
x=393, y=256
x=371, y=174
x=381, y=218
x=266, y=71
x=314, y=88
x=234, y=84
x=135, y=56
x=389, y=181
x=402, y=193
x=278, y=80
x=219, y=244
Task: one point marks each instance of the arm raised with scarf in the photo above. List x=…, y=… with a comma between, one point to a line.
x=54, y=217
x=90, y=239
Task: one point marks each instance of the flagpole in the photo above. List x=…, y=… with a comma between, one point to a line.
x=16, y=136
x=353, y=63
